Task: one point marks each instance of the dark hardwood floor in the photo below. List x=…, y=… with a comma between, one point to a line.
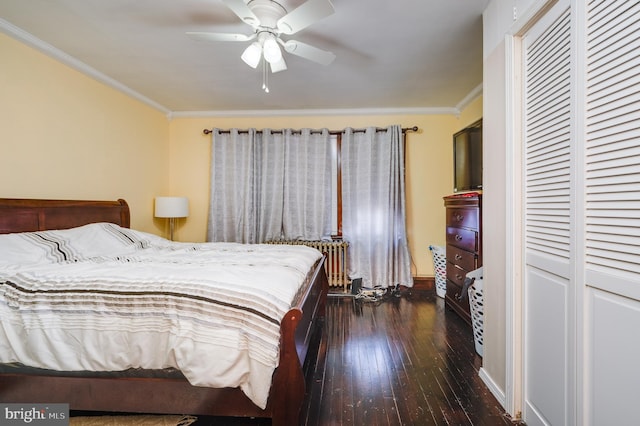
x=407, y=360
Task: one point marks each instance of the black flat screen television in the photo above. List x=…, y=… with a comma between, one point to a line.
x=467, y=158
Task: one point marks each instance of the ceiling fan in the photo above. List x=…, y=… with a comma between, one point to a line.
x=269, y=21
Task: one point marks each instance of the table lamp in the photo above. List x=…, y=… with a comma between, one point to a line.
x=172, y=208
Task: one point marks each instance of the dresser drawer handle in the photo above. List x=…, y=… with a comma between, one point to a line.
x=457, y=257
x=459, y=217
x=458, y=237
x=458, y=277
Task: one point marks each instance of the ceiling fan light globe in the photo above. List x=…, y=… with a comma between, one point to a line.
x=281, y=65
x=251, y=55
x=271, y=50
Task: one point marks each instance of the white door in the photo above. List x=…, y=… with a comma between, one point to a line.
x=612, y=213
x=581, y=214
x=549, y=285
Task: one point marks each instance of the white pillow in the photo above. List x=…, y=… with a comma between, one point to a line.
x=70, y=245
x=20, y=249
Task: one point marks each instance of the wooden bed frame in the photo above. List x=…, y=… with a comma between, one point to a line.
x=161, y=395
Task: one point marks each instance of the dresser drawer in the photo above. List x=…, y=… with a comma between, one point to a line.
x=462, y=258
x=462, y=238
x=461, y=306
x=460, y=217
x=456, y=274
x=454, y=291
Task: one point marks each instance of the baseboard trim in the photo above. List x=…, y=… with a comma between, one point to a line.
x=493, y=387
x=424, y=283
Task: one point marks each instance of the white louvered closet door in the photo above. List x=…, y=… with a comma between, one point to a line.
x=549, y=235
x=581, y=204
x=612, y=212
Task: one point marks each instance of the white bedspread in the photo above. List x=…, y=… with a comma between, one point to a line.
x=105, y=298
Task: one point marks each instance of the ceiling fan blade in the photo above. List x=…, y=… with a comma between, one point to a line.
x=304, y=15
x=309, y=52
x=281, y=65
x=197, y=35
x=241, y=9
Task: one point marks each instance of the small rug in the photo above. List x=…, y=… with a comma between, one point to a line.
x=144, y=420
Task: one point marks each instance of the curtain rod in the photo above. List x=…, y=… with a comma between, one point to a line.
x=332, y=132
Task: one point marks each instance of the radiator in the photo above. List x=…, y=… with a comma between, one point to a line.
x=336, y=263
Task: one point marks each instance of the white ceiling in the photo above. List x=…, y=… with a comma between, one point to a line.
x=390, y=54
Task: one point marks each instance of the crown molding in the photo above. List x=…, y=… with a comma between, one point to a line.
x=472, y=96
x=57, y=54
x=315, y=112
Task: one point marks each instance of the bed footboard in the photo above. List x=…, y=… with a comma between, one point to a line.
x=297, y=329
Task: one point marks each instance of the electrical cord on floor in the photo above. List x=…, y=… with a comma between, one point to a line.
x=377, y=294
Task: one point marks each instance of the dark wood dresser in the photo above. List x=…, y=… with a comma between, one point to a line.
x=464, y=246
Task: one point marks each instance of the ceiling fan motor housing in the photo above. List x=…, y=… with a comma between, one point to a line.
x=268, y=12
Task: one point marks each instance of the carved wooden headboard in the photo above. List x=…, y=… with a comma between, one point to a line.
x=24, y=215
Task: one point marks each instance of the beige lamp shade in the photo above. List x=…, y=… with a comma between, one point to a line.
x=172, y=207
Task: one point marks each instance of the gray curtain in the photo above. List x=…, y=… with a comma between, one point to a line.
x=269, y=185
x=373, y=202
x=307, y=185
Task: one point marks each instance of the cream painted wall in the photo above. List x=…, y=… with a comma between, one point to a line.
x=469, y=115
x=429, y=167
x=64, y=135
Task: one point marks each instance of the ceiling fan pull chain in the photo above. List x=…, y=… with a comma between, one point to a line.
x=265, y=77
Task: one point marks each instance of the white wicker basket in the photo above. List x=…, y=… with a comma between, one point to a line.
x=440, y=268
x=476, y=306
